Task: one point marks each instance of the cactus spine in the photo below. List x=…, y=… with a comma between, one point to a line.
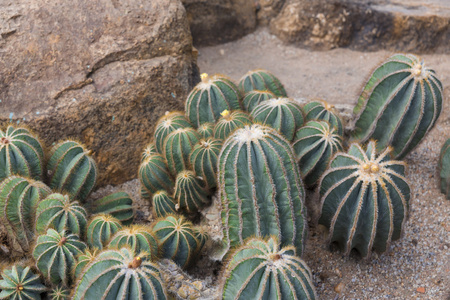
x=206, y=130
x=20, y=283
x=444, y=169
x=149, y=150
x=261, y=80
x=321, y=110
x=178, y=145
x=59, y=293
x=119, y=205
x=100, y=229
x=399, y=105
x=190, y=192
x=229, y=122
x=163, y=204
x=364, y=199
x=139, y=238
x=154, y=175
x=204, y=160
x=168, y=123
x=255, y=97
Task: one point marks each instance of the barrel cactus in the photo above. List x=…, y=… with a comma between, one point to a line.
x=229, y=122
x=168, y=123
x=203, y=160
x=211, y=97
x=154, y=174
x=322, y=110
x=59, y=293
x=100, y=229
x=364, y=199
x=444, y=167
x=178, y=145
x=202, y=236
x=163, y=204
x=149, y=150
x=72, y=170
x=399, y=105
x=138, y=237
x=206, y=130
x=58, y=212
x=119, y=205
x=255, y=97
x=21, y=153
x=190, y=192
x=261, y=80
x=120, y=274
x=82, y=260
x=19, y=198
x=260, y=188
x=314, y=144
x=261, y=270
x=21, y=283
x=283, y=114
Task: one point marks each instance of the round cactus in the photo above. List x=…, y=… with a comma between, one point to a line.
x=399, y=105
x=177, y=239
x=255, y=97
x=204, y=160
x=19, y=198
x=100, y=229
x=59, y=293
x=261, y=270
x=149, y=150
x=168, y=123
x=83, y=260
x=444, y=169
x=20, y=283
x=154, y=175
x=314, y=144
x=364, y=199
x=261, y=80
x=211, y=97
x=190, y=192
x=178, y=145
x=119, y=205
x=163, y=204
x=21, y=154
x=55, y=254
x=201, y=234
x=72, y=170
x=120, y=274
x=283, y=114
x=58, y=212
x=321, y=110
x=229, y=122
x=139, y=238
x=206, y=130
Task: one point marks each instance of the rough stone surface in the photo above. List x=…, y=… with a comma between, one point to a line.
x=98, y=71
x=266, y=10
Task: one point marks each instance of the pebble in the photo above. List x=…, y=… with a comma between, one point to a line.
x=421, y=290
x=339, y=288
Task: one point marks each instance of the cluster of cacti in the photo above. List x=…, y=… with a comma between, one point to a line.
x=444, y=169
x=119, y=205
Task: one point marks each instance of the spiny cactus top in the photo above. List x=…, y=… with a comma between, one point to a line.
x=149, y=150
x=100, y=229
x=204, y=158
x=259, y=269
x=178, y=145
x=163, y=204
x=399, y=104
x=20, y=283
x=364, y=199
x=206, y=130
x=166, y=124
x=21, y=153
x=120, y=274
x=139, y=238
x=261, y=80
x=72, y=170
x=154, y=174
x=59, y=293
x=211, y=97
x=119, y=205
x=82, y=260
x=190, y=192
x=321, y=110
x=229, y=122
x=444, y=169
x=253, y=98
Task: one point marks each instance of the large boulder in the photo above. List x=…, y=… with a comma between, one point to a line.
x=98, y=71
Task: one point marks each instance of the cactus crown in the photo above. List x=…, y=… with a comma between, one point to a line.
x=18, y=282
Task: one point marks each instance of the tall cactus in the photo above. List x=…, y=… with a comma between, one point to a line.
x=204, y=159
x=190, y=192
x=119, y=205
x=168, y=123
x=254, y=97
x=154, y=174
x=163, y=204
x=139, y=238
x=229, y=122
x=100, y=229
x=399, y=105
x=178, y=145
x=444, y=169
x=364, y=199
x=260, y=188
x=20, y=283
x=322, y=110
x=261, y=80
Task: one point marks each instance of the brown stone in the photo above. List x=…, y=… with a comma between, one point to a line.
x=99, y=71
x=266, y=10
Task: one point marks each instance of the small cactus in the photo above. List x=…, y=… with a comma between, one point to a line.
x=204, y=160
x=168, y=123
x=100, y=229
x=190, y=192
x=261, y=80
x=59, y=293
x=149, y=150
x=229, y=122
x=255, y=97
x=154, y=175
x=139, y=238
x=444, y=169
x=178, y=145
x=202, y=236
x=321, y=110
x=364, y=199
x=83, y=260
x=20, y=283
x=206, y=130
x=119, y=205
x=163, y=204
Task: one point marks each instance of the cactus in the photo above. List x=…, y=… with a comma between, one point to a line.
x=211, y=97
x=321, y=110
x=72, y=170
x=100, y=229
x=119, y=205
x=149, y=150
x=364, y=199
x=163, y=204
x=168, y=123
x=261, y=270
x=255, y=97
x=201, y=234
x=139, y=238
x=203, y=160
x=177, y=239
x=444, y=169
x=314, y=144
x=283, y=114
x=59, y=293
x=120, y=274
x=229, y=122
x=56, y=211
x=206, y=130
x=21, y=154
x=260, y=188
x=154, y=175
x=20, y=283
x=190, y=192
x=19, y=198
x=178, y=145
x=54, y=253
x=83, y=260
x=399, y=105
x=261, y=80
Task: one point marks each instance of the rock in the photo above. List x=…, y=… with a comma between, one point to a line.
x=100, y=71
x=266, y=10
x=214, y=22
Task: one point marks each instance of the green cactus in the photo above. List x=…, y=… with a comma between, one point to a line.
x=178, y=145
x=260, y=188
x=211, y=97
x=59, y=293
x=202, y=236
x=82, y=260
x=314, y=145
x=146, y=195
x=177, y=239
x=139, y=238
x=100, y=229
x=149, y=150
x=120, y=274
x=154, y=175
x=72, y=170
x=203, y=160
x=19, y=198
x=261, y=270
x=21, y=154
x=283, y=114
x=190, y=192
x=229, y=122
x=321, y=110
x=364, y=199
x=119, y=205
x=444, y=169
x=58, y=212
x=163, y=204
x=54, y=253
x=168, y=123
x=255, y=97
x=19, y=283
x=261, y=80
x=399, y=105
x=206, y=130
